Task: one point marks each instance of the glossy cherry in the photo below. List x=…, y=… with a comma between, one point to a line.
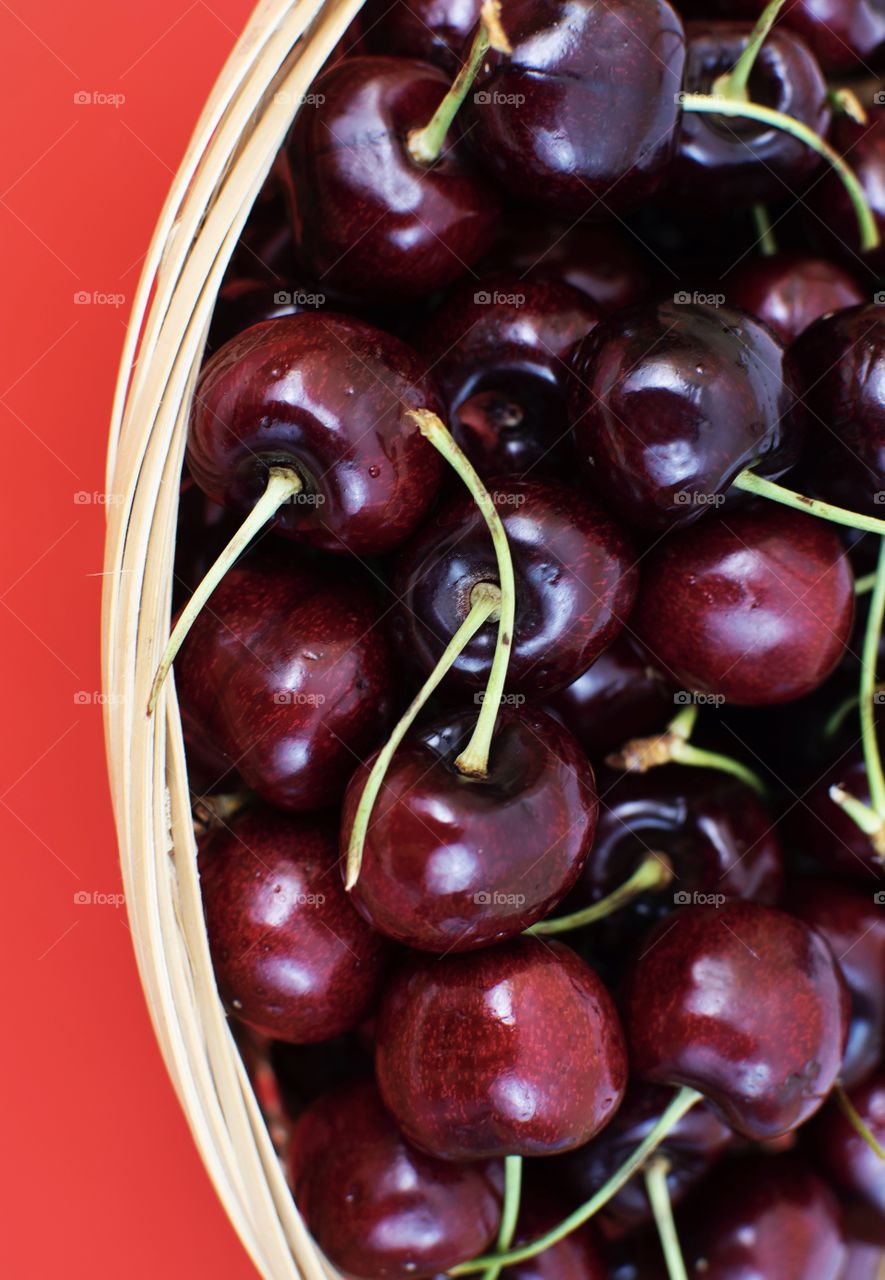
x=790, y=290
x=291, y=956
x=575, y=584
x=852, y=920
x=289, y=678
x=512, y=1050
x=669, y=403
x=553, y=123
x=728, y=161
x=830, y=215
x=499, y=349
x=765, y=1217
x=369, y=219
x=745, y=1004
x=327, y=396
x=844, y=34
x=452, y=862
x=430, y=30
x=843, y=1155
x=692, y=1147
x=754, y=605
x=378, y=1208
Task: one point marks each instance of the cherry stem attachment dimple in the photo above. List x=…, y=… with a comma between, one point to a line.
x=734, y=83
x=425, y=144
x=658, y=1192
x=485, y=601
x=509, y=1212
x=680, y=1104
x=708, y=104
x=856, y=1120
x=653, y=873
x=474, y=759
x=282, y=484
x=749, y=482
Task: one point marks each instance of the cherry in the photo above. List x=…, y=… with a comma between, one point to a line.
x=452, y=862
x=745, y=1004
x=843, y=1155
x=839, y=365
x=853, y=923
x=499, y=350
x=830, y=214
x=671, y=402
x=512, y=1050
x=692, y=1147
x=370, y=219
x=755, y=605
x=824, y=831
x=766, y=1217
x=738, y=161
x=430, y=30
x=575, y=584
x=620, y=696
x=378, y=1208
x=326, y=396
x=289, y=677
x=790, y=290
x=556, y=127
x=292, y=958
x=844, y=34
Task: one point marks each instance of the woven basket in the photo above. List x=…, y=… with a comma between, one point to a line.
x=234, y=145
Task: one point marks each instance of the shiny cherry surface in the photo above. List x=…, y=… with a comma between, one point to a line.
x=555, y=126
x=754, y=605
x=844, y=34
x=790, y=290
x=745, y=1004
x=512, y=1050
x=328, y=396
x=575, y=584
x=451, y=863
x=843, y=1154
x=291, y=956
x=378, y=1208
x=369, y=219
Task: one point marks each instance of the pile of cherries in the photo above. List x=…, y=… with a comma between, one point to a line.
x=530, y=590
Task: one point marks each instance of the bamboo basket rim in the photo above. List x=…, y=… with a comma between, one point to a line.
x=232, y=149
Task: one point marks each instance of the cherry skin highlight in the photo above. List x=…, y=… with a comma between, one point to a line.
x=790, y=290
x=512, y=1050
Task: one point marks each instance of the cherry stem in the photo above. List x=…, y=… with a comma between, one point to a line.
x=749, y=482
x=862, y=815
x=869, y=657
x=474, y=759
x=485, y=600
x=848, y=104
x=658, y=1192
x=653, y=873
x=856, y=1120
x=426, y=143
x=681, y=1103
x=510, y=1211
x=863, y=586
x=733, y=84
x=767, y=242
x=282, y=483
x=718, y=106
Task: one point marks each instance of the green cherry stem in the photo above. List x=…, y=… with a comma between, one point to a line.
x=681, y=1103
x=869, y=658
x=719, y=106
x=658, y=1192
x=653, y=873
x=282, y=484
x=425, y=144
x=749, y=482
x=510, y=1211
x=856, y=1120
x=734, y=83
x=863, y=586
x=767, y=242
x=848, y=104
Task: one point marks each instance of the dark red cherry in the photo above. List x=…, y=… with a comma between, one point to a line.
x=557, y=126
x=843, y=1155
x=499, y=349
x=671, y=402
x=755, y=604
x=512, y=1050
x=790, y=290
x=430, y=30
x=853, y=922
x=369, y=219
x=745, y=1004
x=291, y=956
x=451, y=862
x=692, y=1147
x=738, y=162
x=575, y=584
x=821, y=829
x=839, y=365
x=769, y=1218
x=289, y=677
x=830, y=215
x=378, y=1208
x=328, y=396
x=844, y=34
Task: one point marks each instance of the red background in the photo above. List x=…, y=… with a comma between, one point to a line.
x=101, y=1177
